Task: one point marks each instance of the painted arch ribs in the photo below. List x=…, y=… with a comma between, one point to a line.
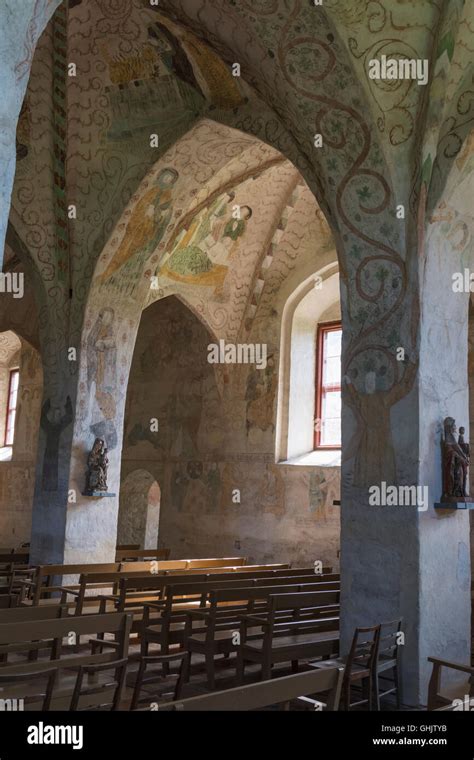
x=454, y=75
x=278, y=53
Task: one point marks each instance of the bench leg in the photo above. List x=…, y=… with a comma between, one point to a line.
x=138, y=685
x=346, y=695
x=165, y=668
x=185, y=672
x=398, y=686
x=210, y=670
x=266, y=669
x=375, y=691
x=239, y=668
x=144, y=646
x=182, y=675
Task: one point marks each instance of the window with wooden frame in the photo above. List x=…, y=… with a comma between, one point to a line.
x=11, y=406
x=327, y=428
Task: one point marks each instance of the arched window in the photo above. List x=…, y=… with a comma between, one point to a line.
x=327, y=428
x=309, y=399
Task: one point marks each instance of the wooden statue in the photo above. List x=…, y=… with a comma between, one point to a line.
x=465, y=467
x=97, y=463
x=455, y=463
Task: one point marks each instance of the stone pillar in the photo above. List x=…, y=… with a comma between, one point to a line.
x=444, y=566
x=397, y=559
x=21, y=24
x=54, y=457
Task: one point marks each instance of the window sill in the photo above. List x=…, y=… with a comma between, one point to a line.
x=320, y=458
x=5, y=453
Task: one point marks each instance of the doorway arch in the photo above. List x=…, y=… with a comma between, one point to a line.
x=139, y=510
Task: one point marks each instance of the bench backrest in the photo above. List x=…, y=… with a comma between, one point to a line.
x=234, y=569
x=24, y=614
x=160, y=566
x=27, y=631
x=268, y=693
x=34, y=635
x=217, y=562
x=299, y=601
x=124, y=555
x=282, y=597
x=45, y=575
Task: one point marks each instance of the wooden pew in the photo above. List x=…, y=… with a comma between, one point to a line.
x=71, y=691
x=41, y=590
x=278, y=691
x=41, y=584
x=436, y=701
x=306, y=636
x=94, y=585
x=12, y=563
x=218, y=623
x=136, y=590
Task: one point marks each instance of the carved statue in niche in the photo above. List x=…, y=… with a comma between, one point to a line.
x=455, y=455
x=97, y=463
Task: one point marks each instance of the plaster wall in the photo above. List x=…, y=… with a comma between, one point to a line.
x=222, y=492
x=18, y=473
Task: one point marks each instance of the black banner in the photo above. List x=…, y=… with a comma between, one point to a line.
x=219, y=734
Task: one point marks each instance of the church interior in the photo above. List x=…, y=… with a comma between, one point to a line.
x=236, y=355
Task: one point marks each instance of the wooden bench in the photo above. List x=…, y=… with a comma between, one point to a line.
x=13, y=563
x=93, y=586
x=81, y=681
x=217, y=624
x=436, y=701
x=278, y=691
x=136, y=591
x=42, y=584
x=39, y=589
x=306, y=636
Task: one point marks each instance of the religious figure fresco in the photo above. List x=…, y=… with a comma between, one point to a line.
x=188, y=58
x=102, y=375
x=147, y=222
x=260, y=396
x=203, y=250
x=138, y=64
